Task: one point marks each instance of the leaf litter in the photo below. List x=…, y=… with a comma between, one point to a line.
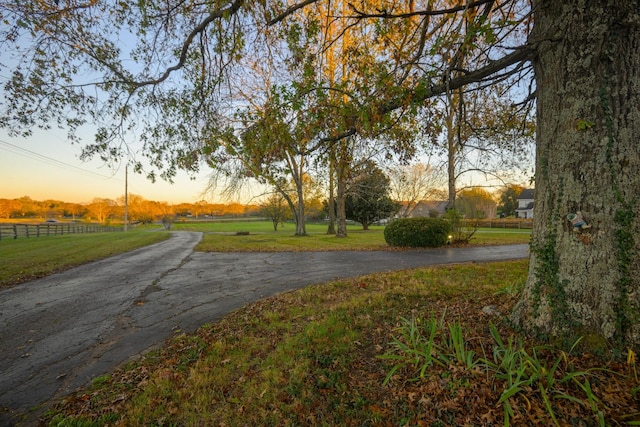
x=315, y=357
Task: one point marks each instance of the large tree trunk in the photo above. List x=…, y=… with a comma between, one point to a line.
x=331, y=228
x=340, y=199
x=343, y=165
x=301, y=228
x=586, y=283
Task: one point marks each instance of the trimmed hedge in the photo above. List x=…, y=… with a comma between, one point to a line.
x=418, y=232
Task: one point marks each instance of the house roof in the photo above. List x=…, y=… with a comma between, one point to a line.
x=423, y=207
x=526, y=208
x=527, y=193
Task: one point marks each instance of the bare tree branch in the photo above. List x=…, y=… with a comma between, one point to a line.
x=217, y=14
x=519, y=55
x=289, y=11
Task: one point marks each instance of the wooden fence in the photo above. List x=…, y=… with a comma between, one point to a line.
x=525, y=224
x=13, y=231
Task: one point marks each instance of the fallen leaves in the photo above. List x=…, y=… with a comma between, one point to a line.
x=300, y=329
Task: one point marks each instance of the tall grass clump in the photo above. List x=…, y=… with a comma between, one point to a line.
x=517, y=371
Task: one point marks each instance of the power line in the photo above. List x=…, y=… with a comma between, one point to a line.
x=15, y=149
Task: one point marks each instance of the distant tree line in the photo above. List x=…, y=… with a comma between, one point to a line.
x=370, y=196
x=104, y=210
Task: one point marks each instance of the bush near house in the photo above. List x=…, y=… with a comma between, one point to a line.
x=418, y=232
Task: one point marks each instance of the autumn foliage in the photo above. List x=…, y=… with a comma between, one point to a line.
x=105, y=210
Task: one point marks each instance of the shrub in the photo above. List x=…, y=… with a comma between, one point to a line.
x=417, y=232
x=461, y=231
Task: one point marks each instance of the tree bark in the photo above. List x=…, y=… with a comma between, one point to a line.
x=343, y=169
x=451, y=155
x=301, y=228
x=331, y=228
x=341, y=184
x=585, y=283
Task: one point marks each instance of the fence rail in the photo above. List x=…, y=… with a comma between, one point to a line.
x=502, y=223
x=13, y=231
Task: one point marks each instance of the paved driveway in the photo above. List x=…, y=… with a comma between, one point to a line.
x=59, y=332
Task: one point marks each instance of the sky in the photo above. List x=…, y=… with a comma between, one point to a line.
x=47, y=166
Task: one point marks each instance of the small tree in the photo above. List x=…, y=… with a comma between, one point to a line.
x=475, y=203
x=461, y=231
x=167, y=221
x=508, y=199
x=276, y=209
x=368, y=197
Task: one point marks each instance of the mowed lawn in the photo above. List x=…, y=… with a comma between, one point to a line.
x=26, y=259
x=231, y=237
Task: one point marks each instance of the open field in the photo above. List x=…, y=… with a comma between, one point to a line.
x=408, y=348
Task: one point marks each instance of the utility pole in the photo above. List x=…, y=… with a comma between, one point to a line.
x=126, y=196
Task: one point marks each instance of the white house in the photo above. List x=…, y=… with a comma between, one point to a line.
x=525, y=203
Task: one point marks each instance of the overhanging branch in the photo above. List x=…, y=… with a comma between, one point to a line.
x=519, y=55
x=217, y=14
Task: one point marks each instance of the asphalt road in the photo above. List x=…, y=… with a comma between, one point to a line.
x=59, y=332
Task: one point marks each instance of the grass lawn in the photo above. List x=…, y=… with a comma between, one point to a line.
x=223, y=237
x=417, y=347
x=25, y=259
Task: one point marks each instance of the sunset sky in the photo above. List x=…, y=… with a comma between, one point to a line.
x=46, y=166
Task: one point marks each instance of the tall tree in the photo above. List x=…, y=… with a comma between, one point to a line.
x=274, y=150
x=588, y=86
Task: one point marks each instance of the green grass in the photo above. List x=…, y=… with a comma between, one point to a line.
x=222, y=237
x=316, y=357
x=285, y=241
x=25, y=259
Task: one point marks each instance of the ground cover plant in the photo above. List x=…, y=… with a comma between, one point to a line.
x=420, y=347
x=29, y=258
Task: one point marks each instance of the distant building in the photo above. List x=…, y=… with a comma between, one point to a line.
x=424, y=208
x=525, y=204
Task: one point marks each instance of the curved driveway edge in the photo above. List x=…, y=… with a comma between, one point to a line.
x=59, y=332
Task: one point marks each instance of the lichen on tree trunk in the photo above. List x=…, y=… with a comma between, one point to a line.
x=586, y=283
